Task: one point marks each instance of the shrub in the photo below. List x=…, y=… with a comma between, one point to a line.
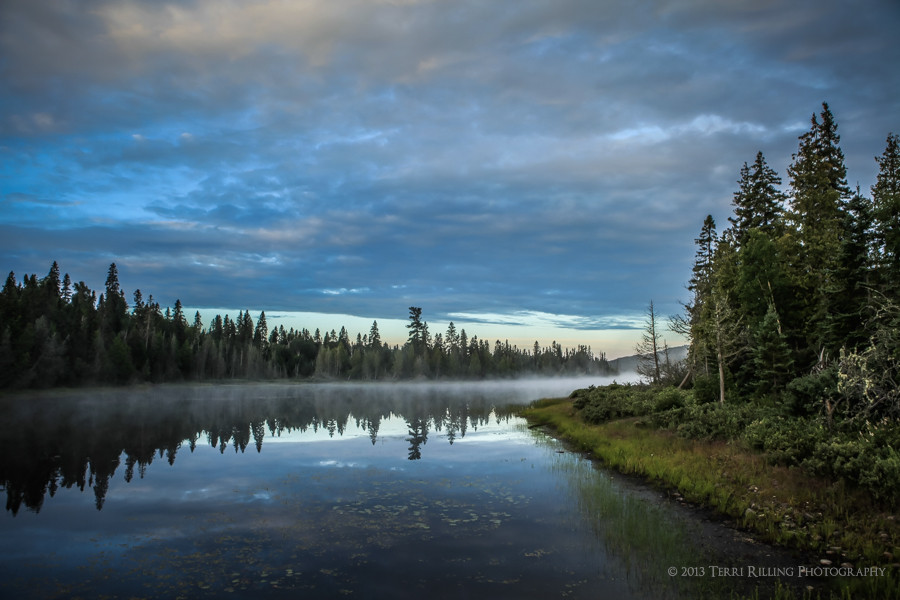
x=669, y=398
x=785, y=441
x=706, y=389
x=807, y=395
x=615, y=401
x=712, y=421
x=866, y=458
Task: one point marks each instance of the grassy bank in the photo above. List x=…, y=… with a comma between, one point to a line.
x=839, y=525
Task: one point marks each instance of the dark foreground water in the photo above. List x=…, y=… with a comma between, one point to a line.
x=289, y=491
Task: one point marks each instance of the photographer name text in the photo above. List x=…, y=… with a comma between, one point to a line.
x=714, y=571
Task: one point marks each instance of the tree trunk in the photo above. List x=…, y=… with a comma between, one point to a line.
x=685, y=380
x=721, y=360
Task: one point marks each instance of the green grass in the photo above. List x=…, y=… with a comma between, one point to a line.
x=780, y=505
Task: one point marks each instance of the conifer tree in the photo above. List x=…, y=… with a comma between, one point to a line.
x=244, y=328
x=850, y=292
x=52, y=285
x=374, y=336
x=261, y=333
x=772, y=359
x=693, y=324
x=179, y=322
x=702, y=269
x=758, y=203
x=417, y=331
x=819, y=193
x=115, y=309
x=886, y=217
x=66, y=291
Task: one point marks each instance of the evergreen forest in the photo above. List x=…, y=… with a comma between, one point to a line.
x=794, y=327
x=797, y=301
x=55, y=333
x=785, y=415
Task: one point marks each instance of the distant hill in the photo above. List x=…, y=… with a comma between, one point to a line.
x=628, y=364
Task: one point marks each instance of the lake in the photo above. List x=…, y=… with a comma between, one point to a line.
x=321, y=490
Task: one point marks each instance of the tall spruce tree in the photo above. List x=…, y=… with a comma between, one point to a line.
x=772, y=359
x=114, y=310
x=706, y=247
x=851, y=290
x=819, y=193
x=374, y=337
x=758, y=203
x=417, y=331
x=701, y=286
x=886, y=218
x=261, y=333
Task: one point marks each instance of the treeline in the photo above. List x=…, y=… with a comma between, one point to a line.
x=797, y=301
x=56, y=333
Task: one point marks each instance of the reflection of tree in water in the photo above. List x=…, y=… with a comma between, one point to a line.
x=52, y=442
x=418, y=435
x=372, y=426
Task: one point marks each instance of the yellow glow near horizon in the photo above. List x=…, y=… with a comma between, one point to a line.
x=614, y=343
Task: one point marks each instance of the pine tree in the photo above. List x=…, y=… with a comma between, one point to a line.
x=700, y=284
x=114, y=308
x=850, y=293
x=374, y=336
x=112, y=281
x=772, y=359
x=66, y=291
x=261, y=333
x=9, y=300
x=417, y=331
x=179, y=322
x=760, y=279
x=244, y=328
x=702, y=269
x=819, y=194
x=886, y=217
x=52, y=286
x=343, y=339
x=758, y=203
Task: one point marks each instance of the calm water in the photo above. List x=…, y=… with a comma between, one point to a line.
x=415, y=490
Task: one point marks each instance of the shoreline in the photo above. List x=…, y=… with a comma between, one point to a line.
x=678, y=470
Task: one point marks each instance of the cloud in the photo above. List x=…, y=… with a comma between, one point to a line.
x=540, y=162
x=543, y=319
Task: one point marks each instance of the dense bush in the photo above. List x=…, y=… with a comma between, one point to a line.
x=706, y=389
x=669, y=398
x=614, y=402
x=617, y=401
x=865, y=455
x=786, y=441
x=857, y=451
x=808, y=395
x=713, y=421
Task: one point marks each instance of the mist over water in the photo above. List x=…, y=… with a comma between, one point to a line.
x=275, y=490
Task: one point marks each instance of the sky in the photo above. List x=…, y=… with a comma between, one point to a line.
x=530, y=170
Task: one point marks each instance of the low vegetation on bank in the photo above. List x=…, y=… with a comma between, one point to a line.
x=827, y=491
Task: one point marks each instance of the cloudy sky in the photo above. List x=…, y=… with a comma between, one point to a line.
x=544, y=166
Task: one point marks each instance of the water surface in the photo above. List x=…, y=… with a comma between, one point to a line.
x=321, y=490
